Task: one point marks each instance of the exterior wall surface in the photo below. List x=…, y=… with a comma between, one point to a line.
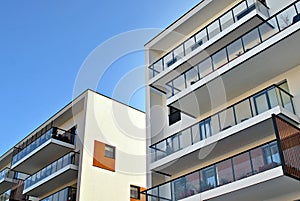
x=119, y=126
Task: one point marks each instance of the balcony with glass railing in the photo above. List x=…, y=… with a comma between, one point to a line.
x=67, y=194
x=225, y=172
x=46, y=147
x=209, y=32
x=250, y=40
x=57, y=174
x=4, y=196
x=7, y=179
x=254, y=105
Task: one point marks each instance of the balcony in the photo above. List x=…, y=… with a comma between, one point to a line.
x=4, y=197
x=258, y=167
x=7, y=180
x=42, y=149
x=55, y=175
x=67, y=194
x=252, y=60
x=242, y=17
x=256, y=109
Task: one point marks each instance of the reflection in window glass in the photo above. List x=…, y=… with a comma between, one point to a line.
x=192, y=183
x=285, y=18
x=135, y=192
x=191, y=76
x=268, y=29
x=243, y=111
x=251, y=40
x=242, y=166
x=109, y=151
x=213, y=29
x=208, y=178
x=205, y=67
x=261, y=103
x=224, y=172
x=226, y=20
x=219, y=59
x=235, y=49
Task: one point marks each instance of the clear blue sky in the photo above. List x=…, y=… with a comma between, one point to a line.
x=43, y=44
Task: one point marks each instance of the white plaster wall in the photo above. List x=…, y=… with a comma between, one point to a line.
x=120, y=126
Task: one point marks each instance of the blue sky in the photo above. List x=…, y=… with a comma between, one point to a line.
x=44, y=43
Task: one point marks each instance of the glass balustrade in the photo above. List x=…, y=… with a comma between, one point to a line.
x=239, y=112
x=67, y=194
x=7, y=173
x=207, y=33
x=258, y=35
x=5, y=196
x=71, y=158
x=31, y=145
x=232, y=169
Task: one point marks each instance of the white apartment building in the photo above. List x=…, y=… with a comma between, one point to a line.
x=223, y=103
x=92, y=149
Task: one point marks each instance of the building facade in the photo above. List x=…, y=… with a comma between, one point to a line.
x=92, y=149
x=223, y=103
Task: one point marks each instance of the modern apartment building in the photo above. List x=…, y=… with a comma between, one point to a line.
x=92, y=149
x=223, y=103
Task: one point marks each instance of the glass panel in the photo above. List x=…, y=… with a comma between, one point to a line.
x=168, y=60
x=213, y=29
x=219, y=59
x=175, y=143
x=201, y=37
x=284, y=86
x=161, y=150
x=196, y=133
x=242, y=166
x=235, y=49
x=189, y=45
x=226, y=20
x=215, y=126
x=275, y=154
x=192, y=184
x=273, y=97
x=205, y=67
x=165, y=191
x=268, y=29
x=208, y=178
x=158, y=66
x=185, y=138
x=298, y=6
x=169, y=89
x=178, y=53
x=224, y=172
x=285, y=18
x=243, y=111
x=227, y=118
x=261, y=103
x=257, y=160
x=191, y=76
x=179, y=84
x=179, y=188
x=287, y=101
x=251, y=40
x=240, y=11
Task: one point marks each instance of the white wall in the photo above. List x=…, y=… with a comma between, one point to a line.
x=120, y=126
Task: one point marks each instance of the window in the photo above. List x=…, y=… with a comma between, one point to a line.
x=104, y=156
x=109, y=151
x=174, y=116
x=135, y=192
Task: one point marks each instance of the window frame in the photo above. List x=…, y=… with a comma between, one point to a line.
x=133, y=187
